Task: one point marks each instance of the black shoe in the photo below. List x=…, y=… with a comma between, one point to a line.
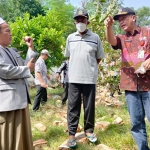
x=119, y=93
x=111, y=94
x=35, y=110
x=63, y=103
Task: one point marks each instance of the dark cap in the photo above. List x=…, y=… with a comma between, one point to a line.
x=81, y=13
x=124, y=11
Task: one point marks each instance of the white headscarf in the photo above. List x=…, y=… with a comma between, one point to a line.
x=1, y=21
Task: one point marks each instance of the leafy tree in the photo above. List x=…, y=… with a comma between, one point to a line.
x=64, y=10
x=99, y=11
x=33, y=7
x=143, y=16
x=45, y=34
x=10, y=9
x=49, y=32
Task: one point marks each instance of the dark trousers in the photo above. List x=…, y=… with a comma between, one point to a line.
x=41, y=97
x=74, y=106
x=65, y=93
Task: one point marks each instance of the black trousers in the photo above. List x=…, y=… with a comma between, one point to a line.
x=41, y=97
x=65, y=93
x=74, y=106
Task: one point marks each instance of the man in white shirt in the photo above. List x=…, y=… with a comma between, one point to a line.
x=84, y=51
x=41, y=80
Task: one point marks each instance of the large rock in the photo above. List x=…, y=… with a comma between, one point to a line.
x=118, y=121
x=39, y=144
x=102, y=125
x=80, y=138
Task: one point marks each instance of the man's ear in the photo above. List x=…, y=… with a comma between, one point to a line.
x=88, y=22
x=134, y=17
x=75, y=23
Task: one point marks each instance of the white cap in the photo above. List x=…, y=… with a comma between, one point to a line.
x=45, y=51
x=1, y=21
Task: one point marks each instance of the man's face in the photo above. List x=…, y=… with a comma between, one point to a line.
x=81, y=19
x=5, y=35
x=44, y=56
x=127, y=22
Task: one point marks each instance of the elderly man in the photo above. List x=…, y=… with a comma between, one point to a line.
x=135, y=74
x=41, y=80
x=84, y=50
x=15, y=129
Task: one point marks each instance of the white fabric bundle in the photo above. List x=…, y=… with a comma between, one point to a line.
x=1, y=21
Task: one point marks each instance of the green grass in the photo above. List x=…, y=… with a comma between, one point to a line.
x=116, y=136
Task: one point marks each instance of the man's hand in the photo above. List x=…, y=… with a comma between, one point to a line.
x=109, y=21
x=29, y=42
x=57, y=76
x=44, y=85
x=48, y=77
x=31, y=65
x=146, y=64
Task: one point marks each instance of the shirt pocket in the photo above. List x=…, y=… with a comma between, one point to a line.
x=90, y=48
x=7, y=91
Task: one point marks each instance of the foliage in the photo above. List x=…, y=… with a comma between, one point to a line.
x=143, y=16
x=64, y=12
x=33, y=7
x=10, y=9
x=49, y=32
x=109, y=71
x=46, y=35
x=103, y=9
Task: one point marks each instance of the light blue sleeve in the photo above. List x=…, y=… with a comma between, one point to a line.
x=100, y=51
x=67, y=50
x=30, y=54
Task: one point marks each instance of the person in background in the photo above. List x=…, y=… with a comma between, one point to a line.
x=84, y=51
x=41, y=77
x=135, y=69
x=63, y=68
x=114, y=86
x=15, y=128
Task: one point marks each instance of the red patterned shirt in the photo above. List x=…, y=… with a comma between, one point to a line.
x=130, y=46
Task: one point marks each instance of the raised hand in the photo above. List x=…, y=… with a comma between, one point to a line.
x=109, y=21
x=29, y=41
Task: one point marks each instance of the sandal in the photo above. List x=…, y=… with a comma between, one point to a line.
x=71, y=143
x=92, y=138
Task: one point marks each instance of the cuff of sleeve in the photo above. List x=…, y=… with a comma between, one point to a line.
x=26, y=73
x=58, y=72
x=30, y=49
